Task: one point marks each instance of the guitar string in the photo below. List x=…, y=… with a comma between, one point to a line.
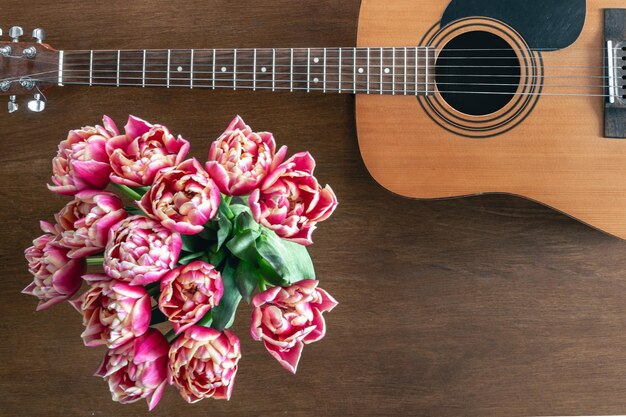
x=371, y=91
x=399, y=62
x=336, y=48
x=230, y=79
x=374, y=51
x=352, y=91
x=345, y=81
x=375, y=83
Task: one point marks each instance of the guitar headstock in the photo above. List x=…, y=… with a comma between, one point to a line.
x=27, y=68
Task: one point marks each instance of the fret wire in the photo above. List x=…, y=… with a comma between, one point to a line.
x=405, y=67
x=368, y=70
x=235, y=70
x=308, y=70
x=191, y=70
x=324, y=77
x=169, y=52
x=273, y=69
x=416, y=62
x=354, y=71
x=339, y=80
x=143, y=71
x=118, y=67
x=393, y=69
x=91, y=67
x=254, y=70
x=213, y=79
x=381, y=70
x=291, y=71
x=426, y=80
x=61, y=62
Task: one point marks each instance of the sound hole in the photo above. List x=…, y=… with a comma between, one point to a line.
x=477, y=73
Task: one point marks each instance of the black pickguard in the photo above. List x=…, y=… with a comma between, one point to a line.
x=544, y=24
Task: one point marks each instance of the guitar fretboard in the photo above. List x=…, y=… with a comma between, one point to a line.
x=397, y=71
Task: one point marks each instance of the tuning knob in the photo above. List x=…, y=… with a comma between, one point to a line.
x=37, y=105
x=12, y=105
x=39, y=35
x=15, y=32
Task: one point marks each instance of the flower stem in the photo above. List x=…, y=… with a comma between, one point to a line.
x=170, y=336
x=157, y=317
x=153, y=291
x=95, y=260
x=262, y=285
x=126, y=190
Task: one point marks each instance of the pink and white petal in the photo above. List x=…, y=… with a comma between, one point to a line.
x=287, y=358
x=136, y=127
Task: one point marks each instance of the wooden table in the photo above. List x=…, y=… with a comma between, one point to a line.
x=481, y=306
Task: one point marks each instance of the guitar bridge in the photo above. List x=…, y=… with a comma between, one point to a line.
x=615, y=73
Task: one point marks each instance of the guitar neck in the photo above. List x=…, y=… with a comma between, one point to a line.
x=401, y=71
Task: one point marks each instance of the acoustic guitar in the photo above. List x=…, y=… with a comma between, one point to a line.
x=455, y=98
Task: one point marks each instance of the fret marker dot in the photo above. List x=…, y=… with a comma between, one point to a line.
x=223, y=69
x=316, y=60
x=386, y=70
x=360, y=70
x=263, y=69
x=316, y=80
x=179, y=69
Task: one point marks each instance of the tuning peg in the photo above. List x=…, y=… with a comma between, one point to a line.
x=39, y=34
x=15, y=32
x=12, y=105
x=37, y=105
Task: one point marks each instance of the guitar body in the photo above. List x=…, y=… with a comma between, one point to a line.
x=543, y=144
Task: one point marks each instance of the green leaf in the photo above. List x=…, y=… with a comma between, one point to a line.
x=237, y=209
x=244, y=221
x=216, y=258
x=140, y=190
x=206, y=320
x=291, y=261
x=193, y=243
x=225, y=208
x=224, y=314
x=225, y=227
x=247, y=278
x=243, y=246
x=187, y=258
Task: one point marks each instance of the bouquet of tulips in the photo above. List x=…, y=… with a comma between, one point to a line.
x=183, y=245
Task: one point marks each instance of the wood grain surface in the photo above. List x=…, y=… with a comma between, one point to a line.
x=482, y=306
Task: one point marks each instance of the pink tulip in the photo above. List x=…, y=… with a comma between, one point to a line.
x=240, y=159
x=140, y=251
x=290, y=200
x=287, y=318
x=82, y=162
x=86, y=222
x=142, y=151
x=57, y=277
x=189, y=292
x=113, y=312
x=182, y=198
x=203, y=363
x=137, y=369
